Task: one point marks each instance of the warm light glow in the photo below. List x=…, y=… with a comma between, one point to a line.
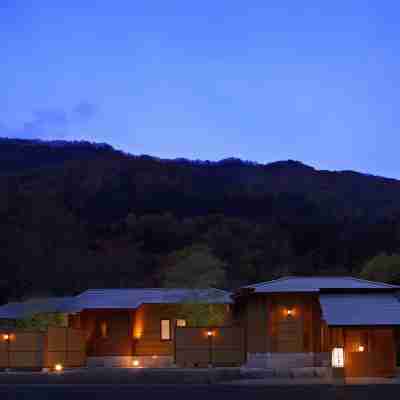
x=154, y=357
x=104, y=329
x=338, y=357
x=289, y=312
x=361, y=348
x=58, y=367
x=135, y=363
x=165, y=329
x=210, y=333
x=6, y=336
x=138, y=326
x=181, y=323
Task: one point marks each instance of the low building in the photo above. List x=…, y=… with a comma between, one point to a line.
x=34, y=312
x=287, y=323
x=126, y=327
x=296, y=322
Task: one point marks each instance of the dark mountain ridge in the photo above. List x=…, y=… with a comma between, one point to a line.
x=79, y=214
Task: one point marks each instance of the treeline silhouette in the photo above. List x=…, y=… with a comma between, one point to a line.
x=78, y=215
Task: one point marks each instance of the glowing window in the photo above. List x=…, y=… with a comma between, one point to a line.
x=181, y=323
x=165, y=329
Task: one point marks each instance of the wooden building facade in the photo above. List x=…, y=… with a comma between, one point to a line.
x=297, y=322
x=143, y=335
x=287, y=323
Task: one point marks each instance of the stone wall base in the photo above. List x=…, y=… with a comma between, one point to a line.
x=287, y=361
x=129, y=361
x=109, y=361
x=155, y=361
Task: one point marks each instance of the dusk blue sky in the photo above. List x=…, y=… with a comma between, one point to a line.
x=315, y=81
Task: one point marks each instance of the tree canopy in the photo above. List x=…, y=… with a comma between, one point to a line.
x=75, y=216
x=383, y=267
x=194, y=267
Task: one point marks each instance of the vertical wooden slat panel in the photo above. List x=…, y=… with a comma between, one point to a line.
x=256, y=325
x=194, y=348
x=378, y=358
x=268, y=330
x=289, y=333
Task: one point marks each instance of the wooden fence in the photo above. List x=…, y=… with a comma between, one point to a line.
x=204, y=346
x=378, y=356
x=36, y=350
x=65, y=346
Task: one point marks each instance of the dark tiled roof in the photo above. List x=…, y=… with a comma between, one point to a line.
x=360, y=309
x=133, y=298
x=25, y=309
x=316, y=284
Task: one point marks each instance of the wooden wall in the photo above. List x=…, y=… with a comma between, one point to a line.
x=119, y=332
x=36, y=350
x=23, y=350
x=130, y=332
x=270, y=329
x=378, y=358
x=254, y=317
x=225, y=347
x=65, y=346
x=147, y=329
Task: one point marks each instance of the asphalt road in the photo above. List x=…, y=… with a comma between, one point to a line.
x=197, y=392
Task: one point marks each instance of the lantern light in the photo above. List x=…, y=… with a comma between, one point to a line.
x=361, y=348
x=338, y=357
x=210, y=333
x=289, y=312
x=135, y=363
x=6, y=336
x=58, y=367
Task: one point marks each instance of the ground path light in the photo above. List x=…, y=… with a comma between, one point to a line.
x=338, y=357
x=58, y=367
x=135, y=363
x=338, y=363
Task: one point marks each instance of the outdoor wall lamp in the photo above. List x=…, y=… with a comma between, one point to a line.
x=210, y=333
x=6, y=337
x=361, y=348
x=289, y=312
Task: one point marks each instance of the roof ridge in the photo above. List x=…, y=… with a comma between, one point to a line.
x=349, y=277
x=373, y=282
x=152, y=289
x=271, y=281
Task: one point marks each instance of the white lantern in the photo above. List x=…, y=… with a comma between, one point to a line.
x=338, y=357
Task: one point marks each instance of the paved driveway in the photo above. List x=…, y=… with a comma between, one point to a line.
x=197, y=392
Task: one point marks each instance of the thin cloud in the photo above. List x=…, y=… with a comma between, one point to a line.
x=52, y=122
x=84, y=111
x=46, y=120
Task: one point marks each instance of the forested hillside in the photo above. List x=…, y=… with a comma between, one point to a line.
x=79, y=215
